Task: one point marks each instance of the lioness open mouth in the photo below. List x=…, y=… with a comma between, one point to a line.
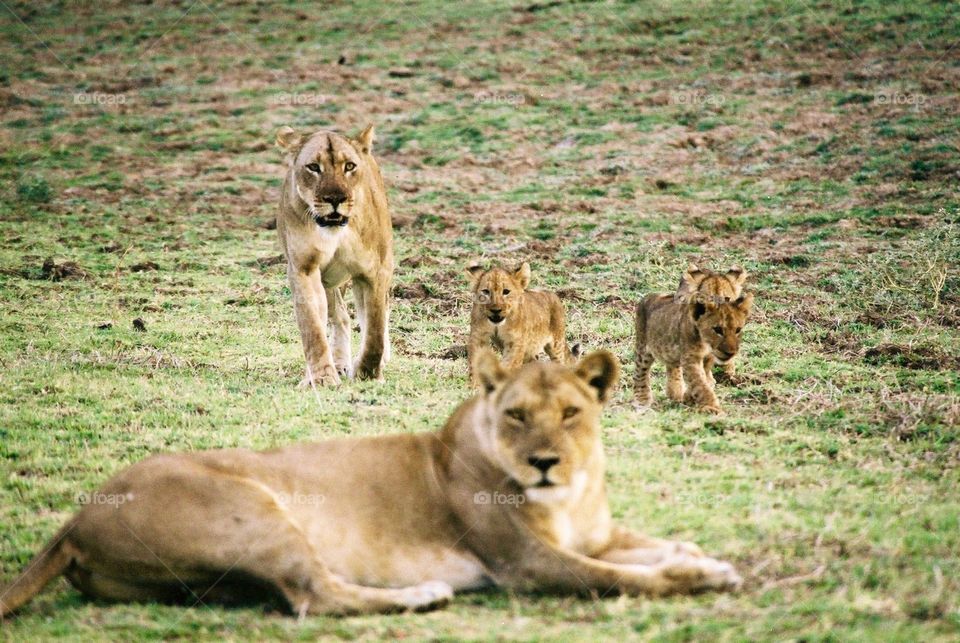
x=332, y=220
x=496, y=319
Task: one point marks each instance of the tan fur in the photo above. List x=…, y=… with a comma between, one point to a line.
x=334, y=226
x=683, y=335
x=521, y=323
x=720, y=286
x=509, y=493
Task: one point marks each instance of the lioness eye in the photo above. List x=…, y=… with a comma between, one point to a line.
x=350, y=167
x=506, y=292
x=314, y=167
x=569, y=412
x=516, y=414
x=718, y=330
x=739, y=329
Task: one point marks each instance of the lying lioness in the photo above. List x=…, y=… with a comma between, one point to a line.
x=509, y=493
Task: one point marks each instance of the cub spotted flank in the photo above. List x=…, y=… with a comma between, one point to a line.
x=519, y=322
x=721, y=286
x=687, y=336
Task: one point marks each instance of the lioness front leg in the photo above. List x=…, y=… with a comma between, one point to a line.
x=310, y=308
x=699, y=392
x=340, y=327
x=568, y=571
x=628, y=547
x=374, y=309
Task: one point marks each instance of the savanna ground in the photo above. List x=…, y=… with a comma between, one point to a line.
x=608, y=143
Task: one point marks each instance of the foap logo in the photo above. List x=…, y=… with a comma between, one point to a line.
x=498, y=498
x=298, y=499
x=99, y=98
x=697, y=98
x=496, y=98
x=101, y=498
x=302, y=100
x=899, y=98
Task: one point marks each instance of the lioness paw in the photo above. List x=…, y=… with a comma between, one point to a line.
x=689, y=574
x=427, y=596
x=322, y=376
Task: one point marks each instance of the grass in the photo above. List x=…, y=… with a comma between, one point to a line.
x=607, y=143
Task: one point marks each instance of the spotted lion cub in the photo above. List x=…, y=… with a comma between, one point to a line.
x=723, y=286
x=687, y=336
x=521, y=323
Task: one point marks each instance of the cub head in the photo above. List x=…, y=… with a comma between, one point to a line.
x=542, y=422
x=720, y=324
x=497, y=292
x=722, y=286
x=327, y=171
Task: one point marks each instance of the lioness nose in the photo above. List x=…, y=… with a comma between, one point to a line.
x=334, y=199
x=496, y=311
x=543, y=464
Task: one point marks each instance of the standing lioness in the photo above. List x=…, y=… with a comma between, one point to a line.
x=334, y=225
x=509, y=493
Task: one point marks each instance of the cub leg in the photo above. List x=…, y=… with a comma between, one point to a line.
x=730, y=370
x=641, y=378
x=479, y=338
x=310, y=308
x=700, y=392
x=675, y=384
x=557, y=349
x=708, y=363
x=340, y=327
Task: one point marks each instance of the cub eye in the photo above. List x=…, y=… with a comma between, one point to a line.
x=739, y=329
x=485, y=292
x=569, y=412
x=350, y=167
x=516, y=414
x=313, y=167
x=506, y=292
x=718, y=330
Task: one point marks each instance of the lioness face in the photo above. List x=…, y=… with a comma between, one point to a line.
x=545, y=419
x=498, y=292
x=720, y=324
x=327, y=169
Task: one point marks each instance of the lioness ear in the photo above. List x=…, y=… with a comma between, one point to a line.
x=744, y=303
x=489, y=372
x=737, y=275
x=287, y=139
x=474, y=273
x=366, y=139
x=522, y=275
x=601, y=371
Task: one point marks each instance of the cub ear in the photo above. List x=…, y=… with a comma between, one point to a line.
x=365, y=139
x=474, y=273
x=601, y=371
x=737, y=275
x=744, y=303
x=288, y=139
x=693, y=276
x=522, y=275
x=489, y=372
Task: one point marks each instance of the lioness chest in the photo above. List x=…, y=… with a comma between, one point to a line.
x=336, y=252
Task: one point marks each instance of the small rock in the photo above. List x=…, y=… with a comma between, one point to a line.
x=139, y=325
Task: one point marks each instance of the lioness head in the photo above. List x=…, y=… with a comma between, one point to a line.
x=497, y=291
x=327, y=170
x=542, y=422
x=720, y=324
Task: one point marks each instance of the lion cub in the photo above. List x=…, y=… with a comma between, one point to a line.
x=521, y=323
x=722, y=286
x=687, y=336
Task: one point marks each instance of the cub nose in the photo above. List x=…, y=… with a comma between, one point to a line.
x=496, y=311
x=543, y=464
x=334, y=199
